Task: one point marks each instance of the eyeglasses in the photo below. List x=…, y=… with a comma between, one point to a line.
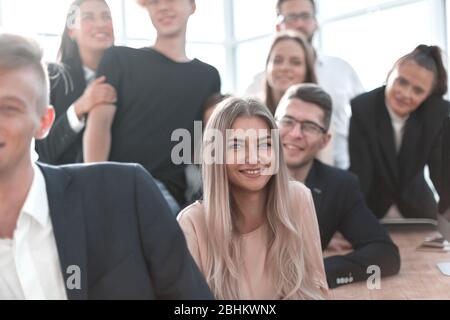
x=307, y=127
x=292, y=17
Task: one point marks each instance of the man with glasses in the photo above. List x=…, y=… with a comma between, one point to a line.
x=303, y=117
x=334, y=74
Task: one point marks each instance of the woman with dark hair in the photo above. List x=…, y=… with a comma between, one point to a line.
x=396, y=130
x=290, y=61
x=74, y=91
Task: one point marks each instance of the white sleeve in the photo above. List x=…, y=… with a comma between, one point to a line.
x=76, y=124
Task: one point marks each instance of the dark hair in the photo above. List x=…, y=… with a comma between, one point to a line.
x=213, y=101
x=312, y=93
x=18, y=52
x=430, y=58
x=68, y=49
x=280, y=2
x=309, y=61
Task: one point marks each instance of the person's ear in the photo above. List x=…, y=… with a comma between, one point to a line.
x=194, y=6
x=45, y=123
x=278, y=27
x=325, y=140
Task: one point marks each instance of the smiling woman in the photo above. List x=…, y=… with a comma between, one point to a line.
x=88, y=32
x=395, y=131
x=290, y=61
x=255, y=235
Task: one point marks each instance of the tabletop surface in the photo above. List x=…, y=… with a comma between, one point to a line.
x=419, y=276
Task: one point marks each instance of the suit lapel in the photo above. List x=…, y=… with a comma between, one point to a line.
x=312, y=182
x=410, y=148
x=386, y=139
x=69, y=229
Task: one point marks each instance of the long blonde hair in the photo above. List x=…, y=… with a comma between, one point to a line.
x=285, y=248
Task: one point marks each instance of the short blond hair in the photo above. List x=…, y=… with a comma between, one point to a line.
x=17, y=52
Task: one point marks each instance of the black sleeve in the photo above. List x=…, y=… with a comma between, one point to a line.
x=172, y=268
x=435, y=158
x=444, y=202
x=371, y=243
x=61, y=137
x=111, y=67
x=360, y=156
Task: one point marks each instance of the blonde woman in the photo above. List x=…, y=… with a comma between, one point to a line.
x=255, y=234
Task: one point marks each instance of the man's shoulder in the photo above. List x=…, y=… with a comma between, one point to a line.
x=335, y=176
x=92, y=175
x=205, y=67
x=124, y=50
x=118, y=54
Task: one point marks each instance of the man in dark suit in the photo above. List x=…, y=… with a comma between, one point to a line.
x=304, y=116
x=78, y=232
x=395, y=131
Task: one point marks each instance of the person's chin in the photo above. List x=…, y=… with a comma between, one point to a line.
x=296, y=163
x=254, y=184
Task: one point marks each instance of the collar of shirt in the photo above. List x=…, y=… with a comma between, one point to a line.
x=36, y=204
x=396, y=119
x=89, y=74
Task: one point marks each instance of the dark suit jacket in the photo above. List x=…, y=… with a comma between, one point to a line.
x=444, y=203
x=112, y=221
x=340, y=206
x=387, y=178
x=63, y=145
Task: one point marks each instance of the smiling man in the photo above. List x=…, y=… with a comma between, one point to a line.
x=78, y=232
x=303, y=117
x=159, y=90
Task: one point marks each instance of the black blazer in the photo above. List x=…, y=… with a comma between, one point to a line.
x=444, y=203
x=340, y=206
x=112, y=222
x=63, y=145
x=387, y=178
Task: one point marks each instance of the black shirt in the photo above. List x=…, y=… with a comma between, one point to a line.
x=156, y=96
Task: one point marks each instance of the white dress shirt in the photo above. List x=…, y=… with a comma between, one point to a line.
x=78, y=124
x=398, y=125
x=29, y=263
x=342, y=83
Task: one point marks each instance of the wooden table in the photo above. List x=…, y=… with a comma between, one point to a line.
x=419, y=277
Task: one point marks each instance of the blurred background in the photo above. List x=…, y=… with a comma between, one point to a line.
x=234, y=35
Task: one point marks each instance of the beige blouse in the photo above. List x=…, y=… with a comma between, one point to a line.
x=257, y=282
